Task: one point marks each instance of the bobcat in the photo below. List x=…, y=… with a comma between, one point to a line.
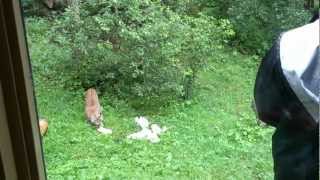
x=93, y=111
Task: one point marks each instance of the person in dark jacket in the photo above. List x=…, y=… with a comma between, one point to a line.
x=286, y=95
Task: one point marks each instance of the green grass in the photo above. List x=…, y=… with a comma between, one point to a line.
x=212, y=136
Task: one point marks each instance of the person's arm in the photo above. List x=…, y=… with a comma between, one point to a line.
x=268, y=90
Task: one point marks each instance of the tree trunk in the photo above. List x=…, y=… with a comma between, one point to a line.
x=309, y=4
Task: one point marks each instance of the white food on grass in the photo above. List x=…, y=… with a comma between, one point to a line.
x=142, y=122
x=153, y=138
x=146, y=133
x=104, y=130
x=143, y=134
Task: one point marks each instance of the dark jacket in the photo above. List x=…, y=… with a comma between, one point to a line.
x=288, y=99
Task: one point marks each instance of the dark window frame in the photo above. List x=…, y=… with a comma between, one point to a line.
x=18, y=95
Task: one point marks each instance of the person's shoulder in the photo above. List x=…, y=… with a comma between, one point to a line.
x=312, y=28
x=298, y=45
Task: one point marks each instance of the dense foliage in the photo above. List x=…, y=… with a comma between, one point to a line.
x=139, y=48
x=156, y=48
x=256, y=22
x=259, y=22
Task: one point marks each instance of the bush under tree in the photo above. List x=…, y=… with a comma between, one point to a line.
x=136, y=48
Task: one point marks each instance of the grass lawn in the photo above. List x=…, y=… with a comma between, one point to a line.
x=212, y=136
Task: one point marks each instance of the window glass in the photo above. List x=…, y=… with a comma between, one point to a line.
x=153, y=89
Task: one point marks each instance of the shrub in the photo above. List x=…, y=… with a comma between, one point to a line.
x=258, y=22
x=136, y=48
